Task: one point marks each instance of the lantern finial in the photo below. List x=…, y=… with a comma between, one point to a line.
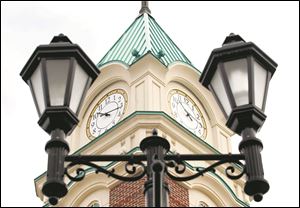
x=61, y=38
x=232, y=38
x=154, y=132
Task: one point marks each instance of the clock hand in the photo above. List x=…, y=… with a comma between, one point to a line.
x=196, y=120
x=190, y=115
x=107, y=113
x=101, y=114
x=184, y=108
x=187, y=113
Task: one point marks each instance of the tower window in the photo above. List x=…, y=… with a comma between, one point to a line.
x=94, y=204
x=202, y=204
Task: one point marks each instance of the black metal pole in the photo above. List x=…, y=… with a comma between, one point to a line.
x=57, y=149
x=156, y=190
x=251, y=147
x=158, y=170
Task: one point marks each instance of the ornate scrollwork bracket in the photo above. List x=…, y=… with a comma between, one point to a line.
x=131, y=167
x=133, y=162
x=179, y=166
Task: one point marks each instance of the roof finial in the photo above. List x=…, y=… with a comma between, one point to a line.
x=145, y=8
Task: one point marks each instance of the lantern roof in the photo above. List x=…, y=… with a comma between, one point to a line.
x=60, y=47
x=235, y=47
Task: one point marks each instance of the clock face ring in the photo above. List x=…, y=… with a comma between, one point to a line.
x=186, y=112
x=106, y=113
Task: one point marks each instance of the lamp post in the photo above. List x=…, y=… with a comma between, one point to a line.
x=60, y=73
x=238, y=75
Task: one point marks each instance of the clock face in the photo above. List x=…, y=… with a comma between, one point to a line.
x=187, y=113
x=106, y=113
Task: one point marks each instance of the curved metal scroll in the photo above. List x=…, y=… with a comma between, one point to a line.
x=180, y=167
x=130, y=167
x=232, y=169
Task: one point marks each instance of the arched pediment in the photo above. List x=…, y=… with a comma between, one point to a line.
x=110, y=75
x=189, y=78
x=92, y=188
x=217, y=191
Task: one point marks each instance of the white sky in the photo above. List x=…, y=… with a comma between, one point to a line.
x=196, y=27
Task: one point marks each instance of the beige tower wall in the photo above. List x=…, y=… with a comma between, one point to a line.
x=148, y=84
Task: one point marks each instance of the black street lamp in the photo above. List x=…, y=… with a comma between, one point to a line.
x=238, y=75
x=60, y=73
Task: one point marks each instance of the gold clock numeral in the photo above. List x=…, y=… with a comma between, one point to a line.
x=179, y=98
x=107, y=100
x=186, y=100
x=173, y=104
x=200, y=131
x=175, y=100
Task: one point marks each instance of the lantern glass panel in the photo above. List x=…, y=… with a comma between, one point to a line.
x=218, y=87
x=78, y=88
x=57, y=74
x=237, y=73
x=260, y=78
x=37, y=88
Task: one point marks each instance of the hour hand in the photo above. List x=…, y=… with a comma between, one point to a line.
x=196, y=120
x=102, y=114
x=188, y=115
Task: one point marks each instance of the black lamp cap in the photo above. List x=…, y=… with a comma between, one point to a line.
x=61, y=38
x=60, y=47
x=234, y=47
x=232, y=38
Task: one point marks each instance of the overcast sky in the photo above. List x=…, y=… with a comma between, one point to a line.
x=196, y=28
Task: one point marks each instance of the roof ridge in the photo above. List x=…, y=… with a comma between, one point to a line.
x=171, y=40
x=147, y=32
x=118, y=40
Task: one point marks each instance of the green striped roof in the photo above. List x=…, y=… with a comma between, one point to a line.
x=144, y=35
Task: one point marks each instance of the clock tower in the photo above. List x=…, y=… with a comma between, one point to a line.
x=147, y=82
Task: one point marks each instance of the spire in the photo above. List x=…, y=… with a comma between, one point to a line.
x=145, y=8
x=144, y=36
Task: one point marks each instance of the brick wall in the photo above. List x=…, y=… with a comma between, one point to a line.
x=179, y=196
x=131, y=194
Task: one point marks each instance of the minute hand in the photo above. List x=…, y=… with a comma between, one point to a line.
x=187, y=113
x=190, y=115
x=111, y=110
